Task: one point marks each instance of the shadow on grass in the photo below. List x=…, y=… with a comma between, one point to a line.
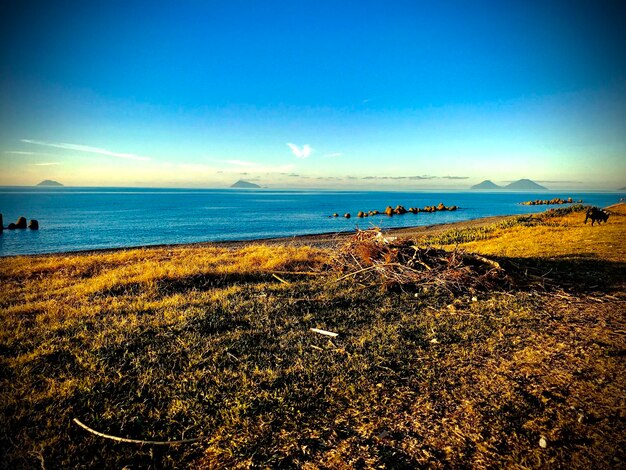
x=173, y=285
x=581, y=274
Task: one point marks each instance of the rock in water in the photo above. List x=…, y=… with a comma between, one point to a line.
x=347, y=215
x=34, y=225
x=21, y=223
x=1, y=224
x=11, y=226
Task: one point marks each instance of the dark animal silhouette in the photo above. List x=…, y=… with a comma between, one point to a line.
x=596, y=215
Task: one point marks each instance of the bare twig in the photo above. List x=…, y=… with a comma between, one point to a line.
x=324, y=332
x=136, y=441
x=299, y=273
x=354, y=273
x=280, y=278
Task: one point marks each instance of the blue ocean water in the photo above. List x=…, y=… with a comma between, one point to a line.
x=73, y=219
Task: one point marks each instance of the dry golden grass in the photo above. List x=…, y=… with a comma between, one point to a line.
x=171, y=343
x=561, y=237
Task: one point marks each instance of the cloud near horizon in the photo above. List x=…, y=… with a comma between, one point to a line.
x=86, y=149
x=423, y=177
x=304, y=152
x=558, y=181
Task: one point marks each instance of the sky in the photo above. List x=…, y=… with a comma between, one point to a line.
x=319, y=94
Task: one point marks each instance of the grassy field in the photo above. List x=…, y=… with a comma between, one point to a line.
x=215, y=343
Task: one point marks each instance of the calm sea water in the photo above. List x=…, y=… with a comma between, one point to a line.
x=74, y=219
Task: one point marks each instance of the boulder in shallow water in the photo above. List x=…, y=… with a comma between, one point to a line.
x=21, y=223
x=347, y=215
x=12, y=226
x=389, y=211
x=33, y=225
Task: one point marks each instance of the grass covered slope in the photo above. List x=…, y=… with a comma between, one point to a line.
x=174, y=343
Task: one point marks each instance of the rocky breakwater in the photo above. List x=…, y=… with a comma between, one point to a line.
x=20, y=224
x=556, y=200
x=390, y=211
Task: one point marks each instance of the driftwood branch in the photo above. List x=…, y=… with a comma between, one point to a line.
x=324, y=332
x=482, y=259
x=135, y=441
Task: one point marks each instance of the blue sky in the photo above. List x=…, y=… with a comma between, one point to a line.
x=313, y=94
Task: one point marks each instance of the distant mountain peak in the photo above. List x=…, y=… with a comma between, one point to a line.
x=244, y=184
x=520, y=185
x=524, y=184
x=487, y=184
x=49, y=183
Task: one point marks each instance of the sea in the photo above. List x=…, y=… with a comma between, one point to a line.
x=77, y=219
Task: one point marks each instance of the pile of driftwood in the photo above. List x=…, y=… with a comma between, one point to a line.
x=372, y=259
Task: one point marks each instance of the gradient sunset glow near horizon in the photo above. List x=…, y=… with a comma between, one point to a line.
x=366, y=95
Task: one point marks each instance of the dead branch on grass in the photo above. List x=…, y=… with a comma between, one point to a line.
x=135, y=441
x=372, y=259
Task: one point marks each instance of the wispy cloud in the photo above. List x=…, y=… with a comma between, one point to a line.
x=422, y=177
x=333, y=155
x=558, y=181
x=19, y=152
x=29, y=154
x=303, y=152
x=47, y=163
x=86, y=148
x=425, y=177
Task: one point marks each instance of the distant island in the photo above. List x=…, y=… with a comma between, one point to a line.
x=49, y=183
x=487, y=184
x=519, y=185
x=244, y=185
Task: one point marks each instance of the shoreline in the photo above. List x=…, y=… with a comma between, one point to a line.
x=319, y=240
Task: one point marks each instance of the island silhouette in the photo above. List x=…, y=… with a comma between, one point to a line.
x=49, y=183
x=242, y=184
x=520, y=185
